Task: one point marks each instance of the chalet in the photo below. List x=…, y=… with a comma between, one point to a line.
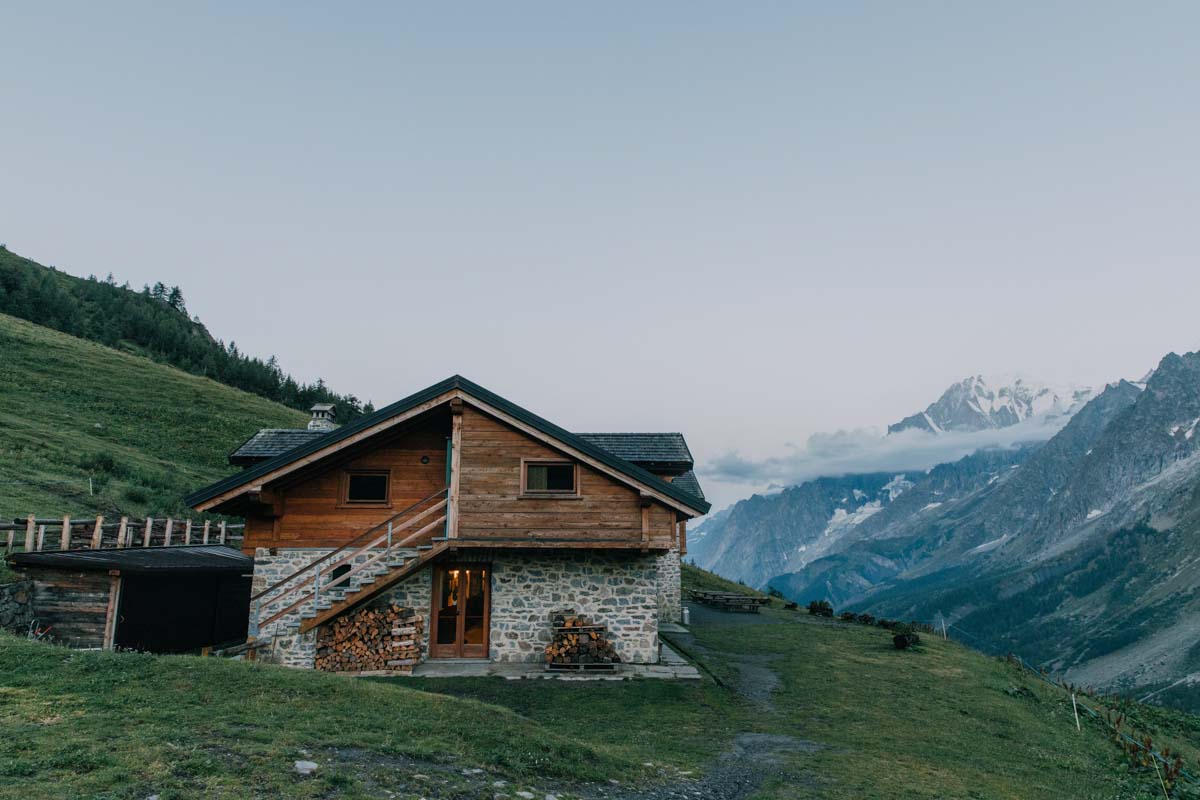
x=482, y=517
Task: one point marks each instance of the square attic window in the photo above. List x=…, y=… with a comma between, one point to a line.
x=367, y=487
x=550, y=478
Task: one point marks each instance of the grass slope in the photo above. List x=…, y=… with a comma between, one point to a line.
x=145, y=433
x=943, y=721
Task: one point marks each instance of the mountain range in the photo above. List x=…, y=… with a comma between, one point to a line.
x=1078, y=553
x=978, y=403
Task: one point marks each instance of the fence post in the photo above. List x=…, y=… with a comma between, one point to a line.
x=149, y=527
x=41, y=537
x=1075, y=708
x=205, y=539
x=221, y=538
x=187, y=531
x=65, y=539
x=30, y=529
x=98, y=533
x=121, y=532
x=8, y=546
x=167, y=534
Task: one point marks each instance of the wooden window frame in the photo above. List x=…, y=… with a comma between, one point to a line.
x=528, y=494
x=344, y=500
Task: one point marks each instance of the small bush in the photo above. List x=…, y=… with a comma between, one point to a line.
x=773, y=592
x=820, y=608
x=103, y=463
x=905, y=637
x=136, y=494
x=866, y=619
x=848, y=616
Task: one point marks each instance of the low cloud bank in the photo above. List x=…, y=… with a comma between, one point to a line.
x=868, y=450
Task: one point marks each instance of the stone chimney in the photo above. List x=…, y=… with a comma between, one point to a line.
x=324, y=416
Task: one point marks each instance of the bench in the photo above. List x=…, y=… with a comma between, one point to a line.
x=730, y=601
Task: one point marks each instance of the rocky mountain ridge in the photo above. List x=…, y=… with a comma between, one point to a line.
x=1079, y=553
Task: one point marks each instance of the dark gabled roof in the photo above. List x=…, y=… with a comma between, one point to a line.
x=271, y=442
x=687, y=481
x=187, y=558
x=460, y=383
x=657, y=452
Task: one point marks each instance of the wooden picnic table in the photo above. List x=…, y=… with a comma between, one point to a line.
x=732, y=601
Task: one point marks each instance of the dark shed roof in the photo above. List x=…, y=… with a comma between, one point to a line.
x=657, y=452
x=688, y=482
x=271, y=442
x=186, y=558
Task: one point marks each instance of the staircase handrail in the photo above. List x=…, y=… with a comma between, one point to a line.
x=313, y=565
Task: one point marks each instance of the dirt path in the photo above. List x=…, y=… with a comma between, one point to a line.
x=751, y=760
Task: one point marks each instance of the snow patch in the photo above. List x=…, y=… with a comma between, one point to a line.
x=843, y=520
x=1188, y=428
x=992, y=545
x=1095, y=512
x=859, y=494
x=930, y=505
x=896, y=487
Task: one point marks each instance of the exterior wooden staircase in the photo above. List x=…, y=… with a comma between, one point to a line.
x=376, y=560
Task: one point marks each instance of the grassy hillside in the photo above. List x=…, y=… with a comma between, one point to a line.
x=145, y=433
x=814, y=709
x=153, y=322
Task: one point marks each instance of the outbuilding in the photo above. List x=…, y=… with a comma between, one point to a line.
x=157, y=599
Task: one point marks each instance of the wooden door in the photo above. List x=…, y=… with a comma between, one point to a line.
x=462, y=598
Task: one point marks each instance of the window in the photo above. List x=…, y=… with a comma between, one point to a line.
x=366, y=487
x=549, y=478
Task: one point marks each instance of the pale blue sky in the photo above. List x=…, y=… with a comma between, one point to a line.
x=747, y=222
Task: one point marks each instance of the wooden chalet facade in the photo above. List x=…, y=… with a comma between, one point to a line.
x=479, y=515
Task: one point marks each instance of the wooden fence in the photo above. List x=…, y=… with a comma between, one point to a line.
x=36, y=534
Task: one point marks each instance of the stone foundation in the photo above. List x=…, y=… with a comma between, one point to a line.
x=613, y=588
x=669, y=577
x=16, y=607
x=627, y=591
x=300, y=649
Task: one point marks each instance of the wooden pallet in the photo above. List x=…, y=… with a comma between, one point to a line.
x=593, y=667
x=580, y=629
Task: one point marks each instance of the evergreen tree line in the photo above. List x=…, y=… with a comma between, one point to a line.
x=155, y=323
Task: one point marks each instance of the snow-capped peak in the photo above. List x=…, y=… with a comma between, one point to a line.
x=979, y=403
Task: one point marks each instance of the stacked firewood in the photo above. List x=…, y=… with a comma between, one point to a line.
x=386, y=638
x=577, y=640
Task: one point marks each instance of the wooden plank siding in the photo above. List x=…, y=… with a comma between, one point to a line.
x=606, y=513
x=310, y=511
x=74, y=605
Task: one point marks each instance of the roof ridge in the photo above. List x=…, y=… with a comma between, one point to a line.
x=455, y=382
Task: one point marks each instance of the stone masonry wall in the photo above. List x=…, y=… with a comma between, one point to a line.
x=669, y=576
x=300, y=649
x=616, y=589
x=16, y=606
x=622, y=590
